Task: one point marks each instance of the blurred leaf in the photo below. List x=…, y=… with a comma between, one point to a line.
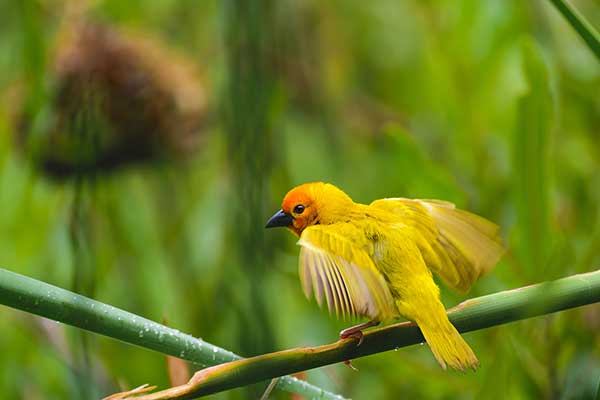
x=419, y=173
x=531, y=161
x=582, y=379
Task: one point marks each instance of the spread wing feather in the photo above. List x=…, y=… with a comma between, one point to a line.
x=455, y=244
x=342, y=274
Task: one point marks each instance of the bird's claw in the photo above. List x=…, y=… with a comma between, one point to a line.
x=349, y=333
x=348, y=363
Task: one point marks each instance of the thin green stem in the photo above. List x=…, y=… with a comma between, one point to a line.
x=36, y=297
x=474, y=314
x=579, y=23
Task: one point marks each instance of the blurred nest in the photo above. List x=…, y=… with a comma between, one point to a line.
x=116, y=98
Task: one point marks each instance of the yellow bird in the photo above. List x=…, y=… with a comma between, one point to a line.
x=376, y=260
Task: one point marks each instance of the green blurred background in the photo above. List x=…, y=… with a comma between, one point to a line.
x=146, y=186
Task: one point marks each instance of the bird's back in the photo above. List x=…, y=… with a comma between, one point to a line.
x=455, y=244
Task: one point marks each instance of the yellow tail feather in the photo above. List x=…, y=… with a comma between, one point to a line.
x=448, y=347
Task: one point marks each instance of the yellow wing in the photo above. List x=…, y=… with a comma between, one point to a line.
x=333, y=266
x=455, y=244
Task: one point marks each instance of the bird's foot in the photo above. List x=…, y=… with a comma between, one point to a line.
x=353, y=332
x=356, y=333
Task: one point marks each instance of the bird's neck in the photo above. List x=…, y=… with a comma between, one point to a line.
x=351, y=212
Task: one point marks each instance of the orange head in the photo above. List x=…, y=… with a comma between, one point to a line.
x=311, y=204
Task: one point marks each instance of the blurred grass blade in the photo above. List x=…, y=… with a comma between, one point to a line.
x=579, y=23
x=40, y=298
x=33, y=50
x=531, y=160
x=474, y=314
x=251, y=143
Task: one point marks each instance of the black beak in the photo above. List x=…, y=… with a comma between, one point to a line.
x=279, y=219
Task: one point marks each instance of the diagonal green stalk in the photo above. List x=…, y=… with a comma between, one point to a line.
x=40, y=298
x=477, y=313
x=578, y=22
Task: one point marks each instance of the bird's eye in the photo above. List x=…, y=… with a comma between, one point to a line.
x=299, y=209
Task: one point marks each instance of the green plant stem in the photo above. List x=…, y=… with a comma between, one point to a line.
x=478, y=313
x=578, y=22
x=36, y=297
